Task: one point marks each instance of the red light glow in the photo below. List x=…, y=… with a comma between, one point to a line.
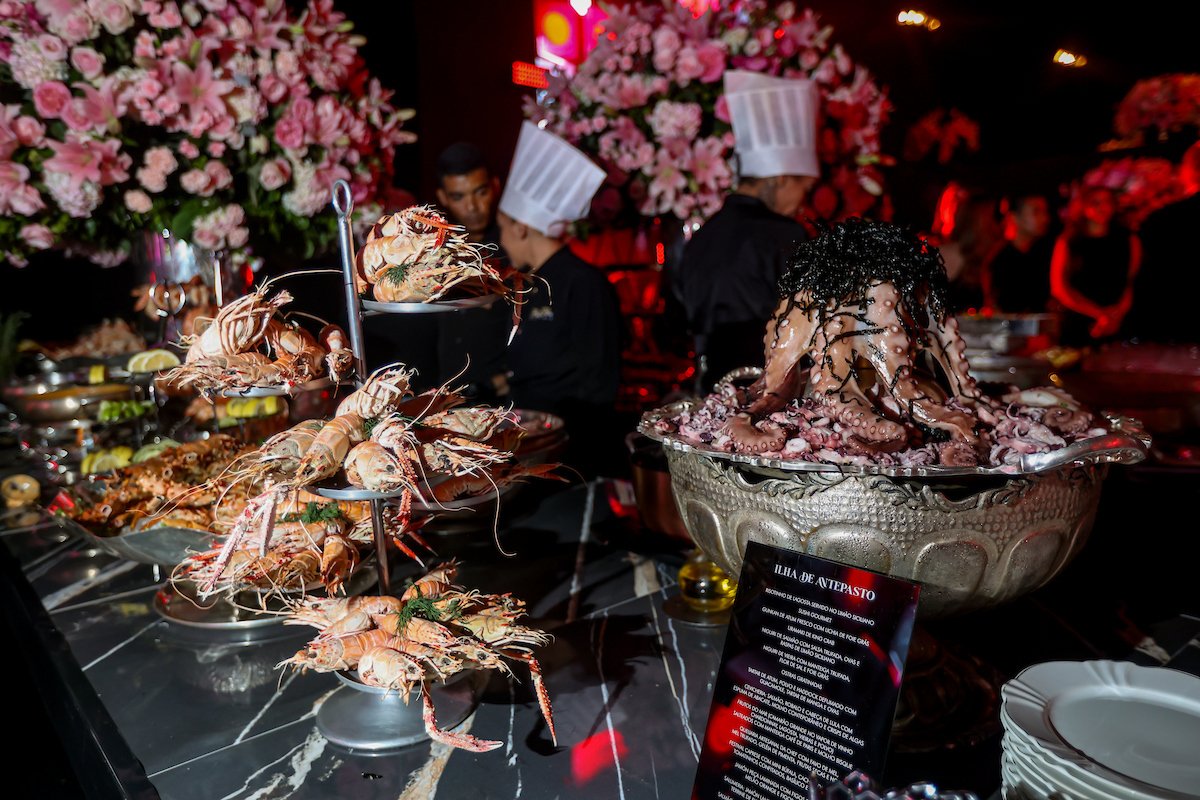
x=660, y=253
x=531, y=75
x=596, y=754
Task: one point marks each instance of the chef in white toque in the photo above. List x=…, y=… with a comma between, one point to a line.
x=728, y=276
x=565, y=357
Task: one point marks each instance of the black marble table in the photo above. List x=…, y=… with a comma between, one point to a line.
x=207, y=715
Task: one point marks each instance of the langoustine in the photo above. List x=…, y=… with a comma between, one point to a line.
x=436, y=630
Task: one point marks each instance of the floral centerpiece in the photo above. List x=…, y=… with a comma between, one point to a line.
x=942, y=132
x=1164, y=104
x=1141, y=186
x=224, y=121
x=648, y=104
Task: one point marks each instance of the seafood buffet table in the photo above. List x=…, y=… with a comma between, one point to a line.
x=183, y=713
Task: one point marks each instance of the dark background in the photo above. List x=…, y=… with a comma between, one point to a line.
x=1041, y=123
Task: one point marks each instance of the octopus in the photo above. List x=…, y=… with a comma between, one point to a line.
x=862, y=329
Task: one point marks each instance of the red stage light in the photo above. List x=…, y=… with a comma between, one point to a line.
x=660, y=253
x=531, y=75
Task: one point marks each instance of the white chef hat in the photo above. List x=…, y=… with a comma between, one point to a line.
x=774, y=124
x=550, y=184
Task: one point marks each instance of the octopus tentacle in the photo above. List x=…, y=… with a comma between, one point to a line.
x=749, y=438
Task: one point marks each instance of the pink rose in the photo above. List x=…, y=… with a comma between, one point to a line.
x=240, y=28
x=666, y=46
x=52, y=47
x=152, y=180
x=138, y=201
x=149, y=88
x=38, y=237
x=195, y=181
x=167, y=104
x=206, y=238
x=26, y=201
x=721, y=109
x=712, y=59
x=272, y=88
x=216, y=149
x=274, y=174
x=77, y=27
x=287, y=64
x=237, y=237
x=114, y=15
x=76, y=115
x=218, y=175
x=144, y=46
x=688, y=66
x=29, y=131
x=161, y=159
x=50, y=98
x=188, y=149
x=87, y=61
x=289, y=132
x=168, y=17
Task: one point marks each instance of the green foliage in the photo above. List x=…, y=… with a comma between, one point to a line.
x=314, y=513
x=9, y=325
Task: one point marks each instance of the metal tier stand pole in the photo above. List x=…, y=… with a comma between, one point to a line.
x=343, y=204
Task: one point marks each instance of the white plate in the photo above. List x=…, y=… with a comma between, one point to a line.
x=1060, y=759
x=1135, y=746
x=1075, y=785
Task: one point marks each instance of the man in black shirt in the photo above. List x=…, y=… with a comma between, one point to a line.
x=1170, y=271
x=471, y=343
x=729, y=274
x=1017, y=280
x=565, y=357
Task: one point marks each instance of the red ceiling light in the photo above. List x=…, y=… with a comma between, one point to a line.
x=531, y=75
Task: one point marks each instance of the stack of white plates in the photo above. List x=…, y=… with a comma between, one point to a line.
x=1101, y=730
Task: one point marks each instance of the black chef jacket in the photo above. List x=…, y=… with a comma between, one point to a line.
x=567, y=350
x=728, y=281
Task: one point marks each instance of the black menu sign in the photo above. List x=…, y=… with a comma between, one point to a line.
x=809, y=677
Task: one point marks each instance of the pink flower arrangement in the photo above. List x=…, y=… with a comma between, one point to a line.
x=1141, y=185
x=647, y=103
x=225, y=121
x=943, y=132
x=1164, y=105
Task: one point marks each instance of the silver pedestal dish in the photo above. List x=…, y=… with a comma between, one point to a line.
x=369, y=720
x=973, y=537
x=969, y=546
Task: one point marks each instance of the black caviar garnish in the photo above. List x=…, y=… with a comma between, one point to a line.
x=847, y=258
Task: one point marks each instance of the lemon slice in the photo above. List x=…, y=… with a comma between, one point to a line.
x=153, y=361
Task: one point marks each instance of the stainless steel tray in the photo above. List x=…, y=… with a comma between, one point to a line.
x=1127, y=444
x=351, y=493
x=177, y=604
x=277, y=391
x=432, y=307
x=433, y=506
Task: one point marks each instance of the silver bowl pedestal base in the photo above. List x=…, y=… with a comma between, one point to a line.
x=970, y=542
x=367, y=720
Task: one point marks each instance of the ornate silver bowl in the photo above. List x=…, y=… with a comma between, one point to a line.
x=972, y=537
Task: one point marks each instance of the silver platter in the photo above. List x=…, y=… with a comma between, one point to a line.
x=277, y=391
x=162, y=546
x=177, y=604
x=432, y=307
x=1127, y=444
x=464, y=503
x=216, y=613
x=352, y=493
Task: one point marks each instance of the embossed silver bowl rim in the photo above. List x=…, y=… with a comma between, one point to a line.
x=1128, y=443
